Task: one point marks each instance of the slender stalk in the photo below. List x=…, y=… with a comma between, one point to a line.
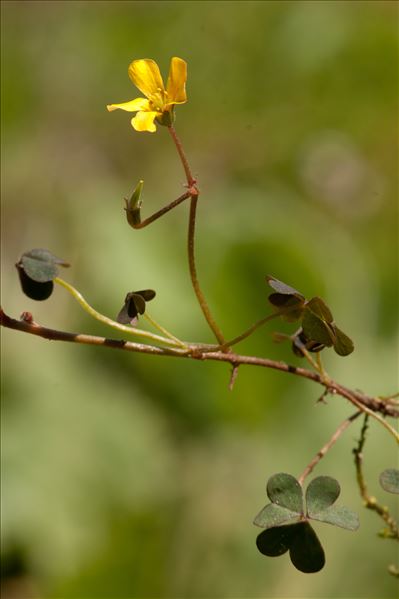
x=193, y=275
x=112, y=323
x=309, y=358
x=194, y=193
x=156, y=215
x=190, y=179
x=164, y=331
x=322, y=452
x=248, y=332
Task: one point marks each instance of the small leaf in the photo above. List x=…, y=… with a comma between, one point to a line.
x=281, y=287
x=321, y=493
x=290, y=307
x=306, y=551
x=320, y=308
x=389, y=480
x=124, y=317
x=343, y=345
x=275, y=541
x=33, y=289
x=284, y=490
x=134, y=305
x=274, y=515
x=147, y=294
x=37, y=269
x=40, y=265
x=316, y=329
x=338, y=516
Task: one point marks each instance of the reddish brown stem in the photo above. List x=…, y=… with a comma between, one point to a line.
x=373, y=403
x=190, y=179
x=156, y=215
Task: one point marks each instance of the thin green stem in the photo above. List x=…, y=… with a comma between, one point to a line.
x=112, y=323
x=164, y=331
x=248, y=332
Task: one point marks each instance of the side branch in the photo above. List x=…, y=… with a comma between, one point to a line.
x=150, y=219
x=371, y=502
x=322, y=452
x=365, y=402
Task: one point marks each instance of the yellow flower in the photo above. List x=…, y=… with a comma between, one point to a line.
x=158, y=102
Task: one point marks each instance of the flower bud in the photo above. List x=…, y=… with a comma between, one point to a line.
x=133, y=206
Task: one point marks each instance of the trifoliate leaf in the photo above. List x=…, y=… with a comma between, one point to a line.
x=134, y=305
x=321, y=493
x=389, y=480
x=37, y=269
x=284, y=490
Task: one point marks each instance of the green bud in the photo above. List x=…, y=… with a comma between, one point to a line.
x=133, y=206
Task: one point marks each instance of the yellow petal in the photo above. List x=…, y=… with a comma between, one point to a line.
x=176, y=87
x=144, y=121
x=146, y=76
x=132, y=106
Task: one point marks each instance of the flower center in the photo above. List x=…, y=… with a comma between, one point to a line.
x=159, y=100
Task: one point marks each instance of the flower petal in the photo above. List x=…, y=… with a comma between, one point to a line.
x=131, y=106
x=144, y=121
x=176, y=87
x=146, y=76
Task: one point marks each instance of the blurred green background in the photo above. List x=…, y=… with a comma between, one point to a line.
x=129, y=476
